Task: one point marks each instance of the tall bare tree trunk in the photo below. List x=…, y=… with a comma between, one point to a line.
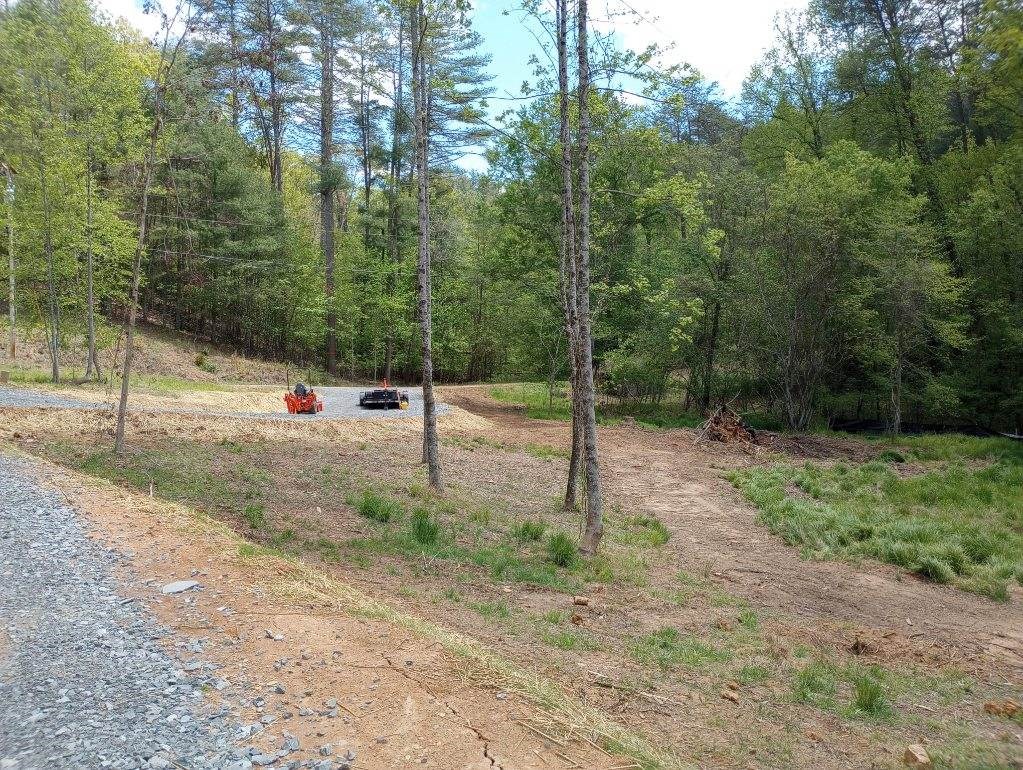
x=148, y=164
x=326, y=179
x=568, y=268
x=394, y=204
x=593, y=528
x=12, y=342
x=53, y=335
x=431, y=454
x=92, y=361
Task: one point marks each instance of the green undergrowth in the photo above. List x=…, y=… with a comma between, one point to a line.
x=958, y=520
x=538, y=404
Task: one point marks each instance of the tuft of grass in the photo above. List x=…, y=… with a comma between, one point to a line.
x=892, y=456
x=816, y=684
x=955, y=523
x=562, y=550
x=748, y=620
x=642, y=530
x=568, y=640
x=497, y=609
x=255, y=515
x=528, y=531
x=375, y=506
x=423, y=528
x=669, y=648
x=869, y=696
x=753, y=674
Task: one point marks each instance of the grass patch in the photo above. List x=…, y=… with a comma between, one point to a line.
x=646, y=531
x=816, y=684
x=498, y=609
x=255, y=515
x=568, y=640
x=956, y=523
x=669, y=648
x=423, y=528
x=562, y=550
x=373, y=505
x=528, y=531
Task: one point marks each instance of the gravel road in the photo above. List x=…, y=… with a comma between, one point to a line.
x=84, y=681
x=30, y=398
x=338, y=403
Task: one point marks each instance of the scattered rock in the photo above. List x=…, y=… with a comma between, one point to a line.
x=730, y=695
x=577, y=619
x=917, y=756
x=1002, y=708
x=581, y=601
x=179, y=586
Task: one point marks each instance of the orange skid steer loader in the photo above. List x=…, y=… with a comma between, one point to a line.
x=303, y=401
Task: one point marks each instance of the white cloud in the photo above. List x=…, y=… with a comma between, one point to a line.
x=131, y=11
x=721, y=38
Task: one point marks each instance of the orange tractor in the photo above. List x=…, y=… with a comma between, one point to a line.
x=303, y=401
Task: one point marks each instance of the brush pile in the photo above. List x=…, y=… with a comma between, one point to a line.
x=726, y=427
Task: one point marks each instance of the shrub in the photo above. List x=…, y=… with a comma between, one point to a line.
x=203, y=362
x=424, y=530
x=528, y=531
x=375, y=506
x=561, y=550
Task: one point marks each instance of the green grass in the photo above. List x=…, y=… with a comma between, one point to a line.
x=957, y=522
x=568, y=640
x=647, y=531
x=528, y=531
x=423, y=528
x=853, y=690
x=376, y=506
x=255, y=515
x=562, y=550
x=669, y=648
x=816, y=684
x=535, y=398
x=497, y=609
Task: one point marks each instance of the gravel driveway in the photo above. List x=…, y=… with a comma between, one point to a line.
x=338, y=403
x=84, y=681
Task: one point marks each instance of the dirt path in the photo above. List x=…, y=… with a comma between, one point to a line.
x=714, y=531
x=299, y=668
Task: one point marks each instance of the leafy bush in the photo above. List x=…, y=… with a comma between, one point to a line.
x=375, y=506
x=561, y=550
x=203, y=362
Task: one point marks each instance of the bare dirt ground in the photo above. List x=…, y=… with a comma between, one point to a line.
x=752, y=612
x=664, y=473
x=392, y=698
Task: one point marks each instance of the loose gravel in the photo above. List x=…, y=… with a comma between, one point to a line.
x=84, y=681
x=338, y=403
x=25, y=397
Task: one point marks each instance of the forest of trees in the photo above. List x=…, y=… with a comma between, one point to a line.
x=843, y=242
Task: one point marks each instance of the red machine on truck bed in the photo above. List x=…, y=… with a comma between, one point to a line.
x=303, y=401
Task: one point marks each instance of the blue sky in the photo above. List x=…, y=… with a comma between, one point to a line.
x=722, y=38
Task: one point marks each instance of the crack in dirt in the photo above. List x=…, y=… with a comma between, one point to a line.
x=480, y=736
